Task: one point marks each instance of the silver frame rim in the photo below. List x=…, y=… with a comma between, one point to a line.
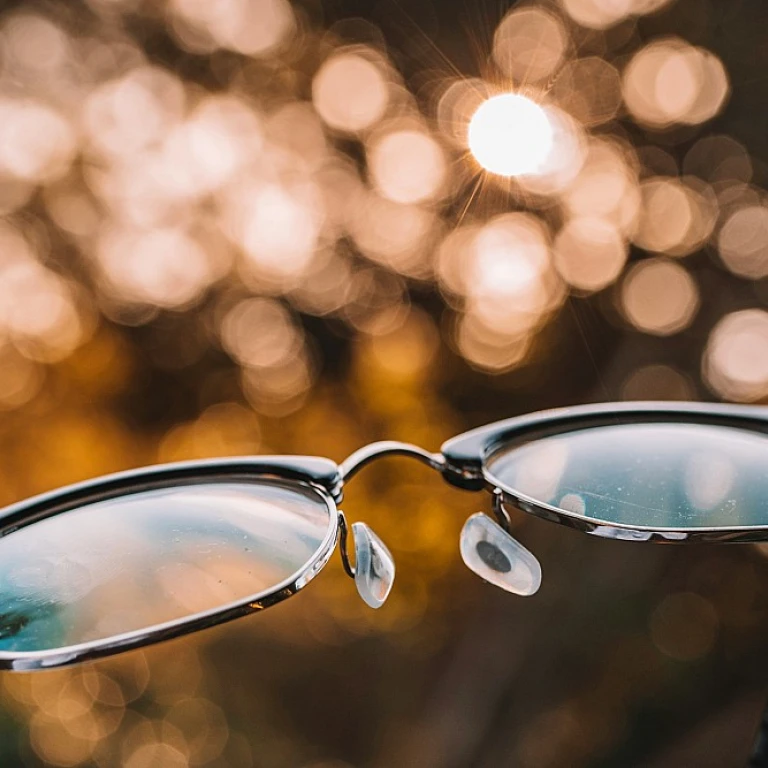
x=613, y=530
x=595, y=526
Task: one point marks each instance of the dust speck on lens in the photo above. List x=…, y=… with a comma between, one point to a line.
x=12, y=623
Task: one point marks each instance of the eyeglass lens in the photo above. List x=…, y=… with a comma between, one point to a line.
x=658, y=475
x=135, y=561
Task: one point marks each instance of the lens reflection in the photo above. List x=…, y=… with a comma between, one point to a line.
x=132, y=562
x=655, y=475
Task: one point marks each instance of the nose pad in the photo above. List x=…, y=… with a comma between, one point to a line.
x=489, y=551
x=374, y=566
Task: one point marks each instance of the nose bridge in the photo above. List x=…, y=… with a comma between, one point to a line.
x=364, y=456
x=374, y=568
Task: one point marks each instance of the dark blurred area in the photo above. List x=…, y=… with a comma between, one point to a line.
x=258, y=226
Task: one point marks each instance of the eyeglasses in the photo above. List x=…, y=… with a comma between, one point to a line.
x=131, y=559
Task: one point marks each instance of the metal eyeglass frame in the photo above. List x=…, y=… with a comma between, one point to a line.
x=462, y=461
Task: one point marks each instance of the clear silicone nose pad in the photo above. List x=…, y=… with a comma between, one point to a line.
x=374, y=566
x=489, y=551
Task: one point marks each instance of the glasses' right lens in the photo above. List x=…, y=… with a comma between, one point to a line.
x=649, y=475
x=135, y=561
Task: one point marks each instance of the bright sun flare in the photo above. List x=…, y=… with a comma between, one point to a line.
x=510, y=135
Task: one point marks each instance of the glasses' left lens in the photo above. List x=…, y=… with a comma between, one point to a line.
x=136, y=561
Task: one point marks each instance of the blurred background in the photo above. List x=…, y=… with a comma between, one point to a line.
x=276, y=226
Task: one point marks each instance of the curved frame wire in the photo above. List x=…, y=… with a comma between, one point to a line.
x=462, y=462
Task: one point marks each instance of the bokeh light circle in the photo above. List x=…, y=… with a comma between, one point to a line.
x=743, y=242
x=407, y=166
x=510, y=135
x=529, y=44
x=735, y=363
x=659, y=297
x=670, y=81
x=589, y=253
x=350, y=92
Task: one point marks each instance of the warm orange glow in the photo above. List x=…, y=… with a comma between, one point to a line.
x=205, y=726
x=22, y=378
x=166, y=186
x=231, y=227
x=378, y=302
x=280, y=390
x=407, y=352
x=222, y=429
